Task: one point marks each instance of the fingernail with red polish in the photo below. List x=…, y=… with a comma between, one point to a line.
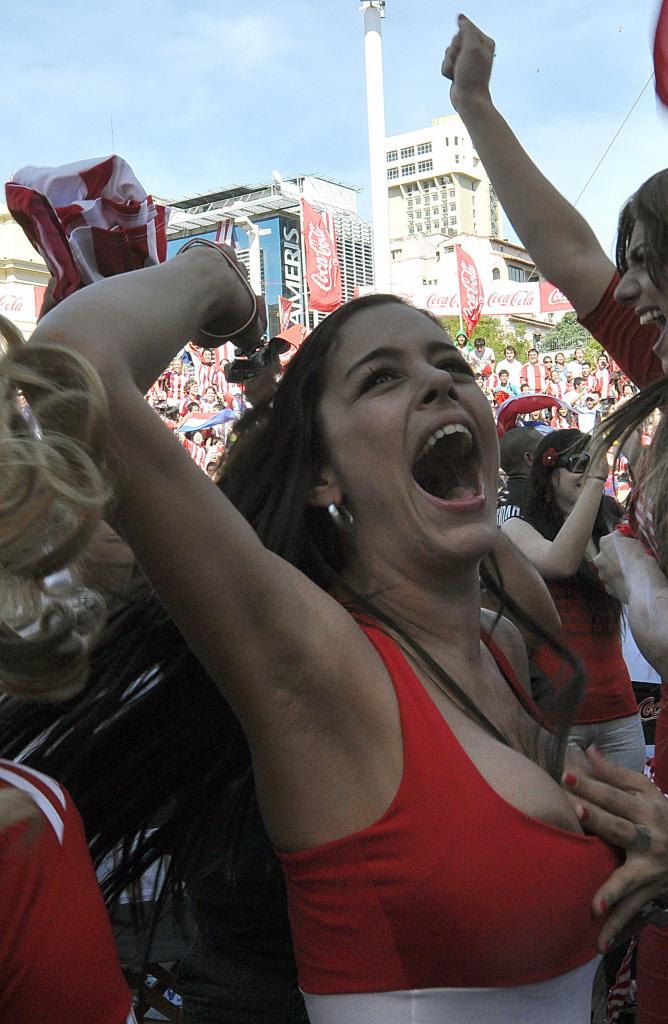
x=603, y=908
x=569, y=779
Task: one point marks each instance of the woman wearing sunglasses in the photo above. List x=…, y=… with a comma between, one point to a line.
x=564, y=518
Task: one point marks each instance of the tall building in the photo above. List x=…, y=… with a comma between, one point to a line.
x=274, y=210
x=437, y=184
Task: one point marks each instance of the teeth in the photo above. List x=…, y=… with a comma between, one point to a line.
x=651, y=314
x=450, y=428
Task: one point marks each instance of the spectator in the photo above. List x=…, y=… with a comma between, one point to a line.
x=512, y=364
x=533, y=373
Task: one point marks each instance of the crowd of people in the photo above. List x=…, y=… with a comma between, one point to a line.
x=378, y=810
x=593, y=392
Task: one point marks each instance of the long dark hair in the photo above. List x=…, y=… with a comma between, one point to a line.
x=153, y=746
x=648, y=205
x=542, y=511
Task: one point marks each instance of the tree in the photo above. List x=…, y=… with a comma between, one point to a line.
x=489, y=328
x=568, y=334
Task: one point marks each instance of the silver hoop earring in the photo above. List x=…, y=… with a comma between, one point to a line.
x=341, y=517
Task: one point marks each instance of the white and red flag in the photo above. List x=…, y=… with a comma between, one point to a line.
x=225, y=232
x=470, y=290
x=88, y=220
x=285, y=312
x=323, y=273
x=661, y=54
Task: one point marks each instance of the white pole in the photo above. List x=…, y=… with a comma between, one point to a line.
x=254, y=261
x=373, y=55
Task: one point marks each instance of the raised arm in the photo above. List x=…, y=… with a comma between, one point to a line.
x=558, y=238
x=560, y=558
x=188, y=537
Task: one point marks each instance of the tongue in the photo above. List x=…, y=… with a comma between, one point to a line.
x=459, y=493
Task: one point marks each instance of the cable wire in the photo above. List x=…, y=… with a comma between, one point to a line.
x=591, y=176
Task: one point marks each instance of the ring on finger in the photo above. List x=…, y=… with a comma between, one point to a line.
x=642, y=839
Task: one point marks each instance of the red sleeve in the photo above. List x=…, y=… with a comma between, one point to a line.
x=58, y=960
x=629, y=343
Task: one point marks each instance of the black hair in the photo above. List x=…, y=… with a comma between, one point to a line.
x=648, y=205
x=542, y=511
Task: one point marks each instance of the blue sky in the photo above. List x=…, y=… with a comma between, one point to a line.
x=216, y=92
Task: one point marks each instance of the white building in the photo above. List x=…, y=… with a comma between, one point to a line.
x=437, y=184
x=23, y=275
x=424, y=270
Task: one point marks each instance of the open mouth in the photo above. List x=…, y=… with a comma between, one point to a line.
x=448, y=467
x=650, y=316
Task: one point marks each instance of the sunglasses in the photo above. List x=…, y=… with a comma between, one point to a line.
x=576, y=462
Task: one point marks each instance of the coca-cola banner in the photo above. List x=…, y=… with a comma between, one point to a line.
x=501, y=298
x=470, y=290
x=551, y=299
x=285, y=312
x=323, y=273
x=17, y=301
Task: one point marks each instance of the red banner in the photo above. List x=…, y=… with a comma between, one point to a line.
x=551, y=299
x=470, y=290
x=661, y=54
x=323, y=273
x=285, y=312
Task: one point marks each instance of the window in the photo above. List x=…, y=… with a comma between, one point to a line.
x=391, y=156
x=392, y=173
x=456, y=140
x=418, y=215
x=418, y=200
x=425, y=165
x=453, y=220
x=429, y=281
x=456, y=158
x=451, y=193
x=447, y=141
x=453, y=206
x=427, y=225
x=407, y=151
x=408, y=170
x=437, y=225
x=411, y=229
x=395, y=253
x=516, y=273
x=496, y=274
x=418, y=227
x=424, y=147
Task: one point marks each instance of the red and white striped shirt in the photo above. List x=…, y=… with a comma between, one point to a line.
x=555, y=388
x=535, y=375
x=605, y=384
x=175, y=385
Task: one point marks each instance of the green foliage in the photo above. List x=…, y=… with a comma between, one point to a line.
x=491, y=329
x=568, y=335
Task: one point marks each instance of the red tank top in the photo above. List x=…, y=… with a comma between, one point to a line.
x=58, y=959
x=451, y=887
x=609, y=693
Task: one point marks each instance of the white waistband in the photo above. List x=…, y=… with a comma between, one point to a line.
x=562, y=1000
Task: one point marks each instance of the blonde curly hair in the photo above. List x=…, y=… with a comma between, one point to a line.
x=53, y=430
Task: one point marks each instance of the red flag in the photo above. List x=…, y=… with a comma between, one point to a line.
x=470, y=290
x=323, y=273
x=285, y=312
x=661, y=54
